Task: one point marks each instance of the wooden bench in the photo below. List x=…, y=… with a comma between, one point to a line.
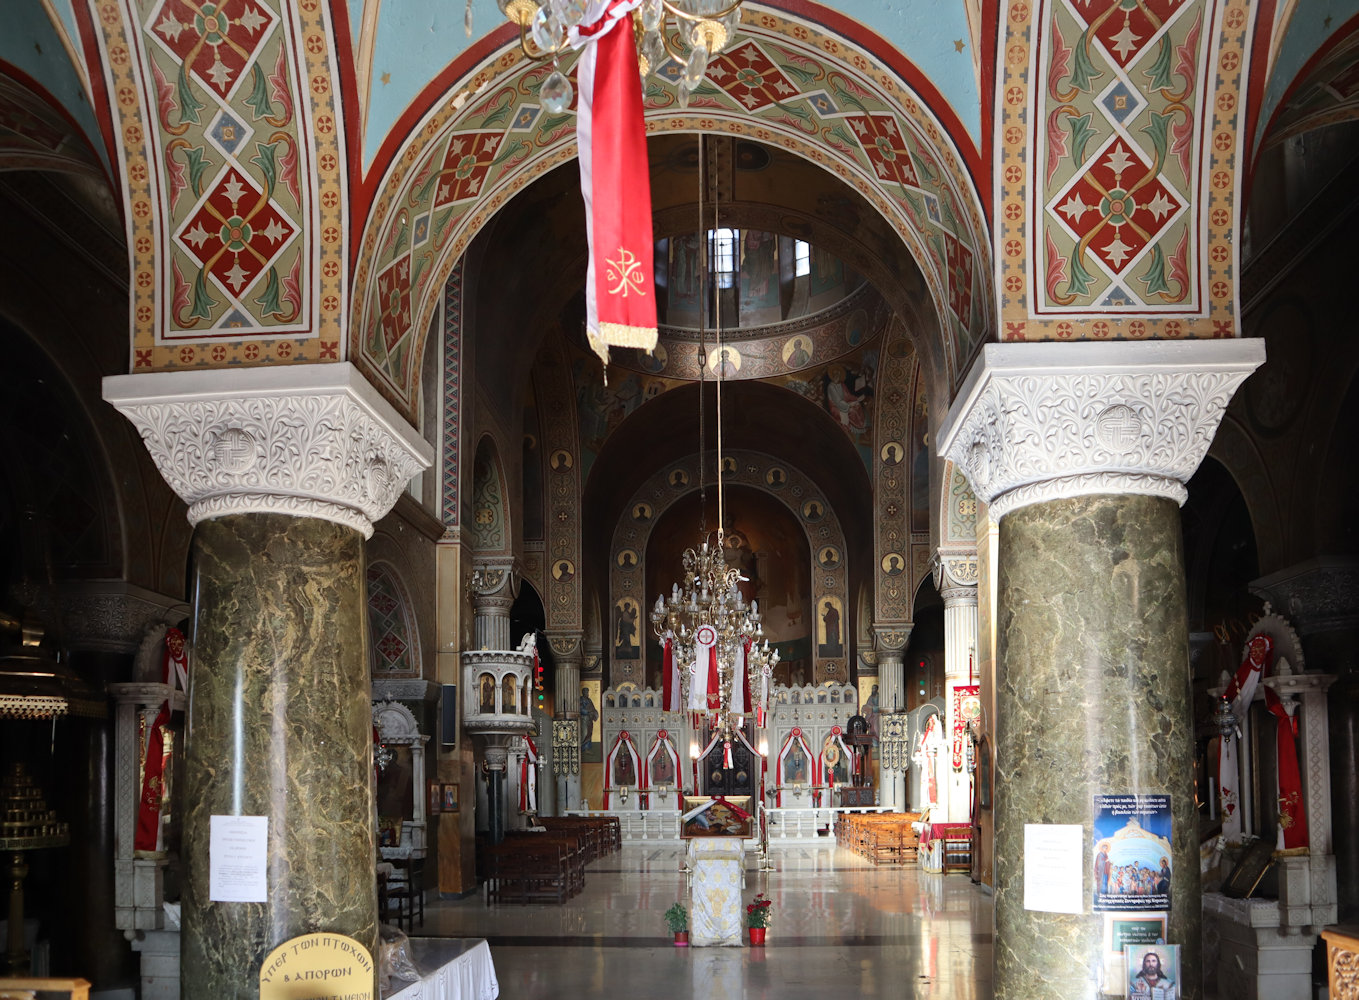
x=882, y=838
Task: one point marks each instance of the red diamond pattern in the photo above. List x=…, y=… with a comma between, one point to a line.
x=1117, y=207
x=1124, y=30
x=236, y=233
x=750, y=77
x=883, y=142
x=465, y=166
x=381, y=602
x=394, y=301
x=958, y=260
x=217, y=41
x=391, y=647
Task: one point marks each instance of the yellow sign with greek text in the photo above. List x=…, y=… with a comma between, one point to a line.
x=318, y=966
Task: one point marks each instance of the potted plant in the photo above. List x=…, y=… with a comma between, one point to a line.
x=757, y=917
x=677, y=917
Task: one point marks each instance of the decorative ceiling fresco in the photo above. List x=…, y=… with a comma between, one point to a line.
x=785, y=82
x=35, y=136
x=1304, y=35
x=226, y=130
x=1327, y=94
x=400, y=47
x=838, y=374
x=1119, y=168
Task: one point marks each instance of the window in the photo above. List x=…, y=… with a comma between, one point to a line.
x=802, y=258
x=722, y=254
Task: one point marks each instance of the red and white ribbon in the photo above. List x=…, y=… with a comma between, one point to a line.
x=528, y=778
x=704, y=689
x=672, y=693
x=174, y=665
x=620, y=290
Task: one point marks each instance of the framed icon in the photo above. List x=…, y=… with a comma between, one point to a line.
x=450, y=801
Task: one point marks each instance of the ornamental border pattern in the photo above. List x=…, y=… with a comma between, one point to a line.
x=493, y=94
x=1017, y=249
x=317, y=333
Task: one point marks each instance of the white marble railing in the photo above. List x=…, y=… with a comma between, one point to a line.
x=798, y=824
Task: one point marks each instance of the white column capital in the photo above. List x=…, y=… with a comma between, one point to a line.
x=306, y=440
x=1039, y=422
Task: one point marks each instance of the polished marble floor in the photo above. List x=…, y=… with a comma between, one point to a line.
x=841, y=928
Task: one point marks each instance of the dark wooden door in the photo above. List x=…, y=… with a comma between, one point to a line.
x=739, y=779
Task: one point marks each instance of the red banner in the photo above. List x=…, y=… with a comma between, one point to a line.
x=175, y=664
x=965, y=709
x=620, y=287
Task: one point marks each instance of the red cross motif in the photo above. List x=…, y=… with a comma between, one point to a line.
x=751, y=77
x=394, y=301
x=214, y=41
x=237, y=233
x=883, y=142
x=1117, y=206
x=465, y=166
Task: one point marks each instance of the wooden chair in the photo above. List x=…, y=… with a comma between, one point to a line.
x=406, y=888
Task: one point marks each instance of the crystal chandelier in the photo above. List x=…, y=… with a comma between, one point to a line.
x=715, y=638
x=689, y=31
x=709, y=618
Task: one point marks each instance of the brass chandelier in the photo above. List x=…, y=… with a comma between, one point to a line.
x=689, y=31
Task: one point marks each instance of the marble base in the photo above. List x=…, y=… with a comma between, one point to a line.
x=1257, y=957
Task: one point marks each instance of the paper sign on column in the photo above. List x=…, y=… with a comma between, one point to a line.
x=238, y=851
x=1053, y=867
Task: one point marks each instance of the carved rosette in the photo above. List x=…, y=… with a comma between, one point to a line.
x=307, y=440
x=1040, y=422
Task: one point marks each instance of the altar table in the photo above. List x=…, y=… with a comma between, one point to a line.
x=461, y=969
x=718, y=866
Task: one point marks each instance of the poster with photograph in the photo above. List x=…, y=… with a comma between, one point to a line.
x=1120, y=931
x=1153, y=971
x=1132, y=852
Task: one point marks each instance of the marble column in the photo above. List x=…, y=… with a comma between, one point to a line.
x=956, y=579
x=891, y=647
x=1082, y=452
x=284, y=471
x=566, y=648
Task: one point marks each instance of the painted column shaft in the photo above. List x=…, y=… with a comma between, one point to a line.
x=960, y=643
x=279, y=726
x=568, y=705
x=891, y=695
x=1093, y=697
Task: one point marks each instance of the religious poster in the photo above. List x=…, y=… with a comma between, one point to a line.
x=591, y=747
x=1120, y=931
x=1132, y=852
x=1153, y=971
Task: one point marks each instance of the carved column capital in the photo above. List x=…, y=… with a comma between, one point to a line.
x=307, y=440
x=113, y=615
x=956, y=574
x=892, y=638
x=1040, y=422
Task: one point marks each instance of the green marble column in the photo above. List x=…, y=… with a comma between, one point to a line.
x=279, y=725
x=1093, y=697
